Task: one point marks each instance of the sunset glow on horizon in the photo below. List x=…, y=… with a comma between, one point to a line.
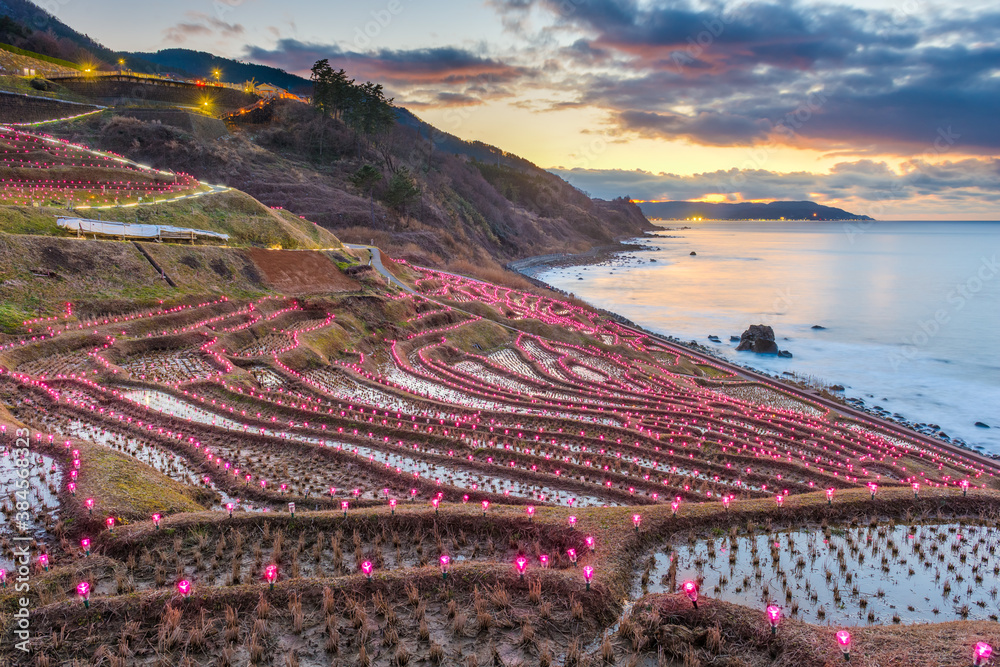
x=882, y=108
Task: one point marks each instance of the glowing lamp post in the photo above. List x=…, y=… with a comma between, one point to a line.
x=43, y=560
x=530, y=511
x=521, y=563
x=110, y=521
x=636, y=520
x=368, y=569
x=89, y=502
x=486, y=506
x=981, y=654
x=872, y=489
x=344, y=506
x=445, y=566
x=85, y=545
x=572, y=555
x=229, y=508
x=156, y=521
x=291, y=509
x=588, y=574
x=184, y=588
x=83, y=590
x=773, y=617
x=271, y=575
x=844, y=641
x=392, y=506
x=691, y=590
x=965, y=487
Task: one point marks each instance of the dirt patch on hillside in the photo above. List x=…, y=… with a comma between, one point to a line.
x=301, y=272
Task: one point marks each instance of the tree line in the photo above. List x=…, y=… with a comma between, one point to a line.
x=371, y=115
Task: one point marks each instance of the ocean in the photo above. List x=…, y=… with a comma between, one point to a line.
x=910, y=310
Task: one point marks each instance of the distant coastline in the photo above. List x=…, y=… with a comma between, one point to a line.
x=676, y=211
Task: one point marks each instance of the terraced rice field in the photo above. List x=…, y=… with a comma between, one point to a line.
x=557, y=461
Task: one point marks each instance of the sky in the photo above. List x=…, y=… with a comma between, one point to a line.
x=888, y=108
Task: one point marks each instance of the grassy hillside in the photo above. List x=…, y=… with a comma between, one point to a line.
x=304, y=163
x=246, y=220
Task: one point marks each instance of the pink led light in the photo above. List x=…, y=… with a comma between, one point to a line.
x=544, y=560
x=83, y=590
x=368, y=568
x=636, y=520
x=521, y=563
x=691, y=590
x=110, y=522
x=43, y=560
x=445, y=564
x=844, y=640
x=588, y=574
x=571, y=520
x=981, y=653
x=773, y=617
x=184, y=587
x=572, y=555
x=486, y=506
x=156, y=521
x=589, y=539
x=530, y=511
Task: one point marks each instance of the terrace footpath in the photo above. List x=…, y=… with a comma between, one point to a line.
x=753, y=376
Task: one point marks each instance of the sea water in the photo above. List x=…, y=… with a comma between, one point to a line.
x=910, y=310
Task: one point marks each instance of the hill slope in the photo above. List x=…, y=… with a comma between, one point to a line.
x=199, y=63
x=463, y=209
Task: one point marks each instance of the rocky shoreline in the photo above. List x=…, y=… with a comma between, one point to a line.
x=532, y=266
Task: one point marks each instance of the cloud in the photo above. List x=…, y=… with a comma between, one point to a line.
x=201, y=24
x=714, y=74
x=444, y=65
x=971, y=183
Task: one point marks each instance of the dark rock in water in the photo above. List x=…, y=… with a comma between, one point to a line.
x=714, y=338
x=734, y=339
x=818, y=327
x=652, y=260
x=982, y=425
x=837, y=387
x=785, y=354
x=758, y=338
x=788, y=373
x=693, y=253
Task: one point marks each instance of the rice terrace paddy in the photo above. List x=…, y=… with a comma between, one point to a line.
x=464, y=474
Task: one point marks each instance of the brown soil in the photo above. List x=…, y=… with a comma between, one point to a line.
x=302, y=272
